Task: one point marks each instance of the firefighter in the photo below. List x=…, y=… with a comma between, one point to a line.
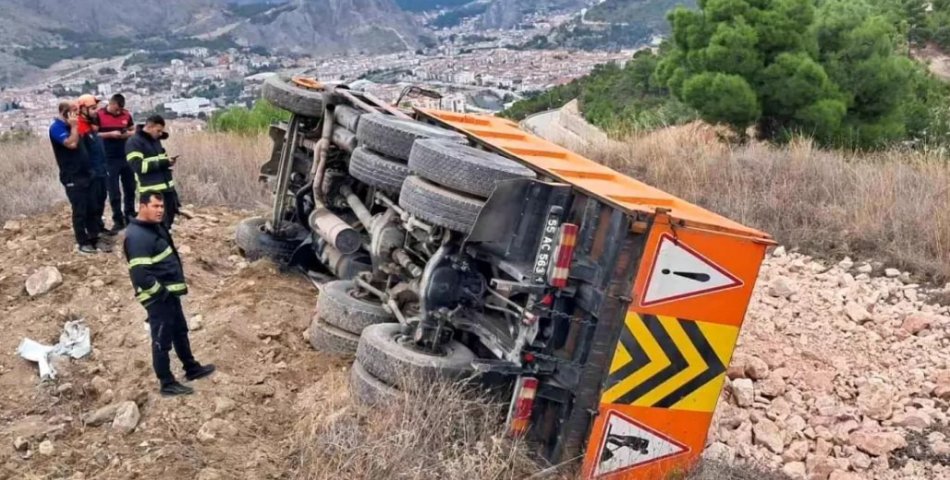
x=159, y=282
x=152, y=166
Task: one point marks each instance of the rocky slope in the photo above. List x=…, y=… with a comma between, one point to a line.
x=841, y=373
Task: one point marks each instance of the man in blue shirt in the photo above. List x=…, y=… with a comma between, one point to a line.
x=75, y=173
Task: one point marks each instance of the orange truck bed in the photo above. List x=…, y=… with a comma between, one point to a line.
x=693, y=282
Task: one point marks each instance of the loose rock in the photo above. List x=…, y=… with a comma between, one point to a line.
x=46, y=448
x=44, y=280
x=743, y=392
x=878, y=443
x=127, y=417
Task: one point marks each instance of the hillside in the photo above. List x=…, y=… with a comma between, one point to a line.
x=43, y=32
x=613, y=24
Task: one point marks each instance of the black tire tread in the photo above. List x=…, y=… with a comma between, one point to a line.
x=394, y=364
x=280, y=92
x=368, y=390
x=378, y=171
x=393, y=137
x=438, y=205
x=257, y=244
x=329, y=339
x=337, y=308
x=463, y=168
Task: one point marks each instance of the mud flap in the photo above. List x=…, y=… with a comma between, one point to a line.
x=511, y=221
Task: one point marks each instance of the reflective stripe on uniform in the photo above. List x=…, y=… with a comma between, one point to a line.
x=160, y=187
x=147, y=294
x=176, y=287
x=139, y=261
x=149, y=160
x=133, y=155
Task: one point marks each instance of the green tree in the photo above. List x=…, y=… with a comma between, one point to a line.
x=835, y=73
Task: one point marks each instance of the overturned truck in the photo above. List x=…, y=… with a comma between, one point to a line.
x=461, y=247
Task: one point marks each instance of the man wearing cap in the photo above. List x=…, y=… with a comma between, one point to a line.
x=115, y=127
x=75, y=173
x=88, y=131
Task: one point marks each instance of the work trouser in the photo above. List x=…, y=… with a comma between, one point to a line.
x=121, y=190
x=81, y=201
x=171, y=208
x=97, y=191
x=169, y=329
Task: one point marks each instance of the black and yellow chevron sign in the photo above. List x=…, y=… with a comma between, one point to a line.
x=667, y=362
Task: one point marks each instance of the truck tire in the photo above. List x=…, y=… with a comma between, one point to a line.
x=367, y=390
x=393, y=137
x=329, y=339
x=337, y=307
x=384, y=355
x=256, y=243
x=282, y=93
x=378, y=171
x=439, y=206
x=463, y=168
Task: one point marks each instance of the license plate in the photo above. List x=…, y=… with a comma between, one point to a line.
x=547, y=246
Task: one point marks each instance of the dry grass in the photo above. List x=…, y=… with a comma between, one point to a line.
x=892, y=206
x=215, y=169
x=443, y=432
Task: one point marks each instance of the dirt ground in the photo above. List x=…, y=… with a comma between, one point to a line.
x=251, y=327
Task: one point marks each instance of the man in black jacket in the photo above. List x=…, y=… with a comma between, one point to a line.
x=75, y=173
x=159, y=282
x=152, y=166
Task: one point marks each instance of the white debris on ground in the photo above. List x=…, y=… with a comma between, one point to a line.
x=838, y=375
x=74, y=342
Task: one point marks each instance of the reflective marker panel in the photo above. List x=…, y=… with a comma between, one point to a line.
x=669, y=364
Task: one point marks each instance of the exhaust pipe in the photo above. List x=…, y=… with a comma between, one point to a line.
x=335, y=231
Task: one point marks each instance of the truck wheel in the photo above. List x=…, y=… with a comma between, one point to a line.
x=440, y=206
x=463, y=168
x=377, y=171
x=384, y=353
x=393, y=137
x=329, y=339
x=339, y=306
x=284, y=94
x=257, y=243
x=368, y=390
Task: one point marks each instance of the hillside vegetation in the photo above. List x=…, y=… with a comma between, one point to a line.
x=838, y=72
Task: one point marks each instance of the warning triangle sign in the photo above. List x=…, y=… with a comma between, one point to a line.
x=628, y=444
x=680, y=272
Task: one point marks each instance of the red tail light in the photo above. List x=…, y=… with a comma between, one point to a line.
x=557, y=277
x=522, y=402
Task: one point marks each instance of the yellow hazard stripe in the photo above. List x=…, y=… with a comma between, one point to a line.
x=668, y=362
x=139, y=261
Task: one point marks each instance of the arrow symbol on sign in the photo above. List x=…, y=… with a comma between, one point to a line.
x=699, y=277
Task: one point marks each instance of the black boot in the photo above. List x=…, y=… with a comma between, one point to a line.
x=174, y=389
x=200, y=372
